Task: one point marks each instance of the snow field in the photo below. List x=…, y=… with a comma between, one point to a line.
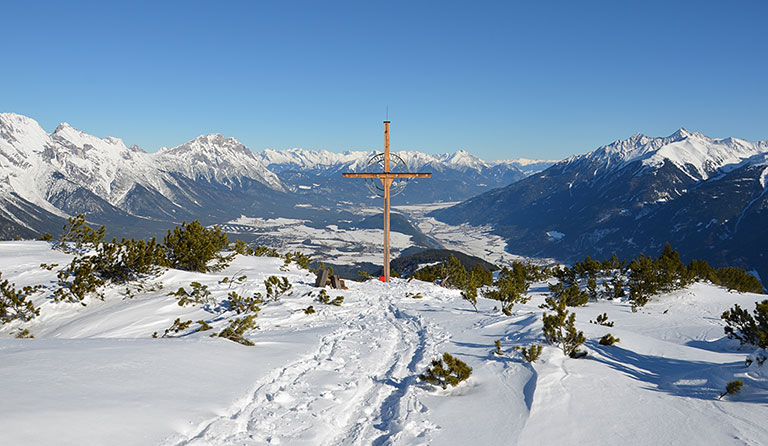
x=348, y=375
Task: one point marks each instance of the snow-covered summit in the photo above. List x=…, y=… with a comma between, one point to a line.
x=696, y=154
x=216, y=158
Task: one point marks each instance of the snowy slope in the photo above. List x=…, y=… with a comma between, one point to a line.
x=348, y=375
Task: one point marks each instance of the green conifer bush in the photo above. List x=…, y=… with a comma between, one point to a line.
x=746, y=328
x=16, y=304
x=511, y=287
x=531, y=354
x=78, y=280
x=236, y=329
x=602, y=319
x=309, y=310
x=469, y=293
x=276, y=287
x=192, y=246
x=199, y=295
x=560, y=329
x=242, y=304
x=176, y=327
x=301, y=260
x=572, y=295
x=23, y=333
x=446, y=371
x=733, y=387
x=77, y=232
x=608, y=339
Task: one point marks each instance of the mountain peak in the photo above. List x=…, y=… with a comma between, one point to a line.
x=63, y=126
x=681, y=133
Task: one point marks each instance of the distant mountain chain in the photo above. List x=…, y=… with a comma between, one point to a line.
x=46, y=177
x=706, y=196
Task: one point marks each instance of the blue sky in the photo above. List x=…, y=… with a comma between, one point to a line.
x=500, y=79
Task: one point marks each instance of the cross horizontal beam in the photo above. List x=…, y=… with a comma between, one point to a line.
x=387, y=175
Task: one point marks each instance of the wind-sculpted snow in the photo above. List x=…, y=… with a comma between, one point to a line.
x=348, y=375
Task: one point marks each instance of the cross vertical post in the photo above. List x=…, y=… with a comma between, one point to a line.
x=387, y=178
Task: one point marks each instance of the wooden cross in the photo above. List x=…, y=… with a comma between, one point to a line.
x=386, y=178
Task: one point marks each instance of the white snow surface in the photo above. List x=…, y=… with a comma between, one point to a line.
x=348, y=375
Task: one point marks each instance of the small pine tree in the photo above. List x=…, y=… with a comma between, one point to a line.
x=531, y=353
x=192, y=246
x=510, y=287
x=732, y=388
x=446, y=371
x=572, y=295
x=16, y=304
x=602, y=319
x=80, y=234
x=236, y=329
x=746, y=328
x=608, y=339
x=560, y=329
x=276, y=287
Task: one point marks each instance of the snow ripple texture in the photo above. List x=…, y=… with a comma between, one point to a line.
x=368, y=371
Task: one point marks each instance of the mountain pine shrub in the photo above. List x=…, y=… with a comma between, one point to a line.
x=276, y=287
x=199, y=295
x=23, y=333
x=16, y=304
x=560, y=329
x=746, y=328
x=309, y=310
x=497, y=350
x=572, y=295
x=128, y=260
x=236, y=329
x=446, y=371
x=77, y=232
x=602, y=319
x=531, y=354
x=301, y=260
x=608, y=339
x=511, y=287
x=241, y=304
x=78, y=280
x=469, y=293
x=176, y=327
x=733, y=387
x=204, y=326
x=192, y=246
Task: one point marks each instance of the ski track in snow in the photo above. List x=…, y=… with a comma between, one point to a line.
x=363, y=399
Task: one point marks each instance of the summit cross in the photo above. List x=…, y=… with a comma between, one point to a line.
x=387, y=177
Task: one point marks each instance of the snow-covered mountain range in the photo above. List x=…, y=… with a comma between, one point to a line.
x=706, y=196
x=47, y=177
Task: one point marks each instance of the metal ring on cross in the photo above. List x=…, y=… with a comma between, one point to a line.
x=376, y=165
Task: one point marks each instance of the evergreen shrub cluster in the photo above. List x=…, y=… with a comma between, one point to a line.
x=560, y=328
x=446, y=371
x=745, y=327
x=645, y=277
x=16, y=304
x=511, y=285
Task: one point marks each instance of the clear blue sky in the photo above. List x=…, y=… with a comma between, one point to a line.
x=499, y=79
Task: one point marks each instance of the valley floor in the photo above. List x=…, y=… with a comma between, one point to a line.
x=348, y=375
